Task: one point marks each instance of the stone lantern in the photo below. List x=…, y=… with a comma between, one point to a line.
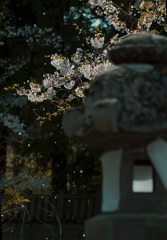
x=125, y=112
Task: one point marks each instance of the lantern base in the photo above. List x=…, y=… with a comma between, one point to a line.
x=127, y=226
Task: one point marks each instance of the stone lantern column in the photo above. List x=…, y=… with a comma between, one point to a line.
x=125, y=112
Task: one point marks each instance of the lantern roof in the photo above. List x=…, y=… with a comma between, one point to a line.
x=127, y=101
x=144, y=47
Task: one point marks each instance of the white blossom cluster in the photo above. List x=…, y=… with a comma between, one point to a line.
x=89, y=68
x=78, y=56
x=96, y=42
x=95, y=3
x=109, y=9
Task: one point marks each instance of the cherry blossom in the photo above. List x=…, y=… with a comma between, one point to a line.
x=91, y=70
x=70, y=98
x=50, y=93
x=63, y=71
x=70, y=85
x=111, y=11
x=84, y=65
x=78, y=56
x=33, y=97
x=79, y=92
x=98, y=41
x=58, y=62
x=23, y=91
x=35, y=87
x=95, y=3
x=47, y=83
x=87, y=71
x=59, y=83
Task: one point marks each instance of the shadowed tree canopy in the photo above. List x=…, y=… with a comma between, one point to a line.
x=29, y=30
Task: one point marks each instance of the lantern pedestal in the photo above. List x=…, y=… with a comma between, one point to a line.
x=140, y=215
x=130, y=226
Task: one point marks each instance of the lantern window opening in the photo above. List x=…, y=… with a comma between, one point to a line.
x=143, y=177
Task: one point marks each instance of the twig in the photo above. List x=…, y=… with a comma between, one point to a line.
x=9, y=229
x=57, y=216
x=163, y=27
x=23, y=224
x=12, y=210
x=9, y=220
x=43, y=223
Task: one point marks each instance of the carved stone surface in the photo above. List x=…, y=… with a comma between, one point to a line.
x=129, y=97
x=140, y=48
x=113, y=226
